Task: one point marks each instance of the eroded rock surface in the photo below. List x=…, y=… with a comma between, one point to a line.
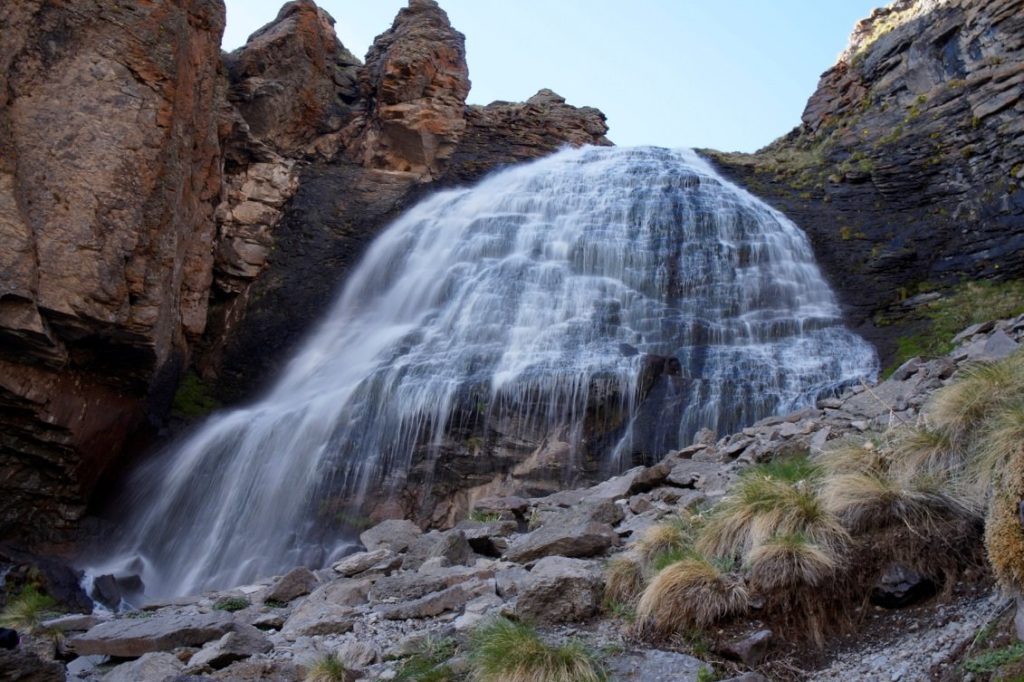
x=110, y=171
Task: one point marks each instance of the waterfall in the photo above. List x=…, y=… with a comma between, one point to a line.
x=508, y=305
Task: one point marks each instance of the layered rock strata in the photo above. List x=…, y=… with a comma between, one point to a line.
x=907, y=171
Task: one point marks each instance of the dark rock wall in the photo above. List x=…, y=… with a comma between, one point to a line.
x=907, y=170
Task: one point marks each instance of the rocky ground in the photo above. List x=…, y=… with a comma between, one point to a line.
x=541, y=560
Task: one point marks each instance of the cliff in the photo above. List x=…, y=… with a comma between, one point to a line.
x=164, y=206
x=110, y=171
x=906, y=170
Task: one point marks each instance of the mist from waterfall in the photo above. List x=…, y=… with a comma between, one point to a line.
x=512, y=300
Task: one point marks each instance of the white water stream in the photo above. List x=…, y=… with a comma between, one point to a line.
x=516, y=296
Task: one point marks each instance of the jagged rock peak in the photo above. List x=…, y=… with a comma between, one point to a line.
x=883, y=20
x=293, y=79
x=415, y=85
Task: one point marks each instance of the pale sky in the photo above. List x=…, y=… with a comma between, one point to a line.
x=727, y=74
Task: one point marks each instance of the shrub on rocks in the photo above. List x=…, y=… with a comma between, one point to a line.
x=328, y=668
x=27, y=610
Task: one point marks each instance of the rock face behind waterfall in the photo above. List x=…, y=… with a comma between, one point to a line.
x=907, y=171
x=142, y=181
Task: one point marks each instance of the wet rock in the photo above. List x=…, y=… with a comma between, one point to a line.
x=151, y=666
x=560, y=590
x=296, y=583
x=24, y=666
x=109, y=590
x=242, y=642
x=900, y=586
x=396, y=534
x=133, y=637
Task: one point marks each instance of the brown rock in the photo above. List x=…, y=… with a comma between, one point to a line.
x=414, y=85
x=109, y=174
x=293, y=80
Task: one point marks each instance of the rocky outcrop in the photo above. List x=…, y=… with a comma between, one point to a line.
x=907, y=170
x=293, y=80
x=110, y=171
x=406, y=132
x=414, y=89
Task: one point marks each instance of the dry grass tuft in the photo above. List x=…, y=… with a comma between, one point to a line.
x=958, y=409
x=789, y=561
x=624, y=579
x=503, y=651
x=871, y=501
x=768, y=501
x=692, y=593
x=921, y=451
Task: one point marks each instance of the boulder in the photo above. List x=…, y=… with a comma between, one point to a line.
x=654, y=665
x=573, y=538
x=329, y=609
x=560, y=590
x=749, y=650
x=900, y=586
x=156, y=665
x=296, y=583
x=454, y=548
x=435, y=603
x=382, y=560
x=395, y=534
x=133, y=637
x=242, y=642
x=358, y=654
x=262, y=670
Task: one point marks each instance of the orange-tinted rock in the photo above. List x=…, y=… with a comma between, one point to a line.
x=414, y=87
x=293, y=80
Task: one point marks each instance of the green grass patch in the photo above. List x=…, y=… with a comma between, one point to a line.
x=429, y=663
x=968, y=304
x=991, y=661
x=503, y=651
x=231, y=604
x=27, y=610
x=193, y=397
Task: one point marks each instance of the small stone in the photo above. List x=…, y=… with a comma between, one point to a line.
x=750, y=650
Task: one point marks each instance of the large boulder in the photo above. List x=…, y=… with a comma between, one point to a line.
x=560, y=590
x=156, y=665
x=295, y=583
x=572, y=534
x=396, y=535
x=133, y=637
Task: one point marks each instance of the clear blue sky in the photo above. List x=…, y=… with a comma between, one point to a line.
x=726, y=74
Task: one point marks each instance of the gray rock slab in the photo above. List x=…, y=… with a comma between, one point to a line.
x=133, y=637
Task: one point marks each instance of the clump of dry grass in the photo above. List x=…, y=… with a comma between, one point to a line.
x=917, y=451
x=780, y=498
x=960, y=408
x=873, y=500
x=624, y=579
x=790, y=561
x=692, y=593
x=673, y=536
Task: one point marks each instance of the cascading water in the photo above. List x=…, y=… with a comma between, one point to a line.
x=514, y=300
